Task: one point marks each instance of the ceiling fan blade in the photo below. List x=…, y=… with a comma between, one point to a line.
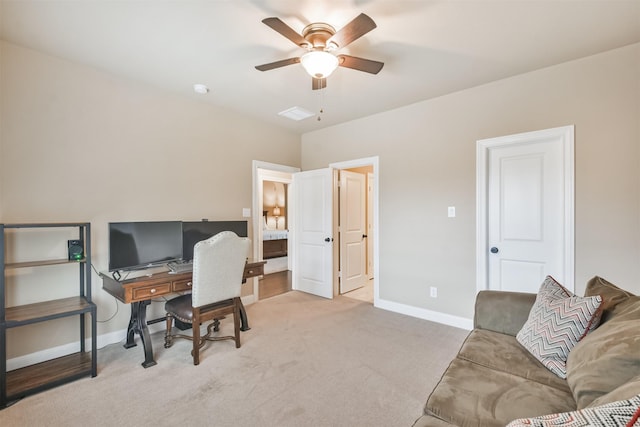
x=318, y=83
x=355, y=29
x=277, y=64
x=282, y=28
x=360, y=64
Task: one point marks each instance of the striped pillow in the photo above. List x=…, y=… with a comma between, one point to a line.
x=623, y=413
x=557, y=321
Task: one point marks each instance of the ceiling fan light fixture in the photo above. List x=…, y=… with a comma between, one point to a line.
x=319, y=64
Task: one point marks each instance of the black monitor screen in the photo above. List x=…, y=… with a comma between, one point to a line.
x=134, y=245
x=193, y=232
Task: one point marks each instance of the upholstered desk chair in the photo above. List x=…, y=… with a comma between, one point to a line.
x=218, y=265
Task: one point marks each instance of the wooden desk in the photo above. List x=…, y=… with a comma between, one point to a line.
x=139, y=291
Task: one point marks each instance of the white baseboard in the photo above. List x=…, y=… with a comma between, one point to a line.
x=423, y=313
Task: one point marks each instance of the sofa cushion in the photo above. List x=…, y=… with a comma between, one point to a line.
x=609, y=356
x=502, y=311
x=503, y=353
x=612, y=297
x=625, y=391
x=557, y=322
x=470, y=394
x=621, y=413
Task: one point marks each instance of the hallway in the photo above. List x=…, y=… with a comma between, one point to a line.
x=279, y=283
x=364, y=293
x=275, y=284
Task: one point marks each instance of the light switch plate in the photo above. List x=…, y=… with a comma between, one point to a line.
x=246, y=212
x=451, y=211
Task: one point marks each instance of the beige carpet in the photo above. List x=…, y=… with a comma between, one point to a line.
x=307, y=361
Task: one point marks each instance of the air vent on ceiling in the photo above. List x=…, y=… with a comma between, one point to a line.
x=296, y=113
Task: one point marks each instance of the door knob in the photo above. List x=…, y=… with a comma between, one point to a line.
x=494, y=250
x=364, y=236
x=328, y=239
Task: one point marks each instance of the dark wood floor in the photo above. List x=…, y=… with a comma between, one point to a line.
x=275, y=284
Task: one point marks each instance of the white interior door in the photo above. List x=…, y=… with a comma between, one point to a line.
x=529, y=210
x=312, y=232
x=370, y=230
x=353, y=230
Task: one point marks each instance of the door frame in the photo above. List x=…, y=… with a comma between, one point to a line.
x=265, y=171
x=566, y=136
x=350, y=164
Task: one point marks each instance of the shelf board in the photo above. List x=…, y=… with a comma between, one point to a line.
x=51, y=373
x=41, y=263
x=46, y=310
x=48, y=225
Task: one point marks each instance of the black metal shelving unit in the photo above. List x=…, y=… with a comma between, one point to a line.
x=32, y=379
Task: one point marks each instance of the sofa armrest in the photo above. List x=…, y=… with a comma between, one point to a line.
x=502, y=311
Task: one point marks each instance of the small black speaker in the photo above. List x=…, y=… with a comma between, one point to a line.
x=76, y=250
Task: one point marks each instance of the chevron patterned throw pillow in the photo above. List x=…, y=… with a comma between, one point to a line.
x=557, y=321
x=623, y=413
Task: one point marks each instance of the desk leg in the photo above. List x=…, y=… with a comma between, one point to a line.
x=138, y=324
x=131, y=328
x=244, y=322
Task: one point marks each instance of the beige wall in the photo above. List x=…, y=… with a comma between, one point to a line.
x=81, y=145
x=74, y=141
x=427, y=162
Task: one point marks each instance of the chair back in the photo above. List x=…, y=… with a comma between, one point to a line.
x=218, y=266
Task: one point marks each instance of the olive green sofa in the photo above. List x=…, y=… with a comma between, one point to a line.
x=494, y=380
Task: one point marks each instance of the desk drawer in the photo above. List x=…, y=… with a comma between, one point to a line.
x=182, y=285
x=254, y=271
x=148, y=292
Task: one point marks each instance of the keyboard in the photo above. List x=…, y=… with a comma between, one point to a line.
x=180, y=267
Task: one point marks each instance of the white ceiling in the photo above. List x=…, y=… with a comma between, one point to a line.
x=430, y=48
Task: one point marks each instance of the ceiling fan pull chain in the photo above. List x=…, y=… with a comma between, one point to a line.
x=321, y=111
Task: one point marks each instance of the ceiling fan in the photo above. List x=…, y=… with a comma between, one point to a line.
x=321, y=40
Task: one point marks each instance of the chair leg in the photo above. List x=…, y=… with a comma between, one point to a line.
x=196, y=336
x=168, y=339
x=236, y=321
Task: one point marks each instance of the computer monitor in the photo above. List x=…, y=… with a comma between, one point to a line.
x=195, y=231
x=137, y=245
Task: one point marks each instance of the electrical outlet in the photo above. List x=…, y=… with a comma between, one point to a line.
x=433, y=292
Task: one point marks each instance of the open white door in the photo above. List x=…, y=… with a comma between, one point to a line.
x=353, y=231
x=312, y=232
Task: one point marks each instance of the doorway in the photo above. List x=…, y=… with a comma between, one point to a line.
x=273, y=172
x=355, y=233
x=270, y=221
x=367, y=267
x=525, y=213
